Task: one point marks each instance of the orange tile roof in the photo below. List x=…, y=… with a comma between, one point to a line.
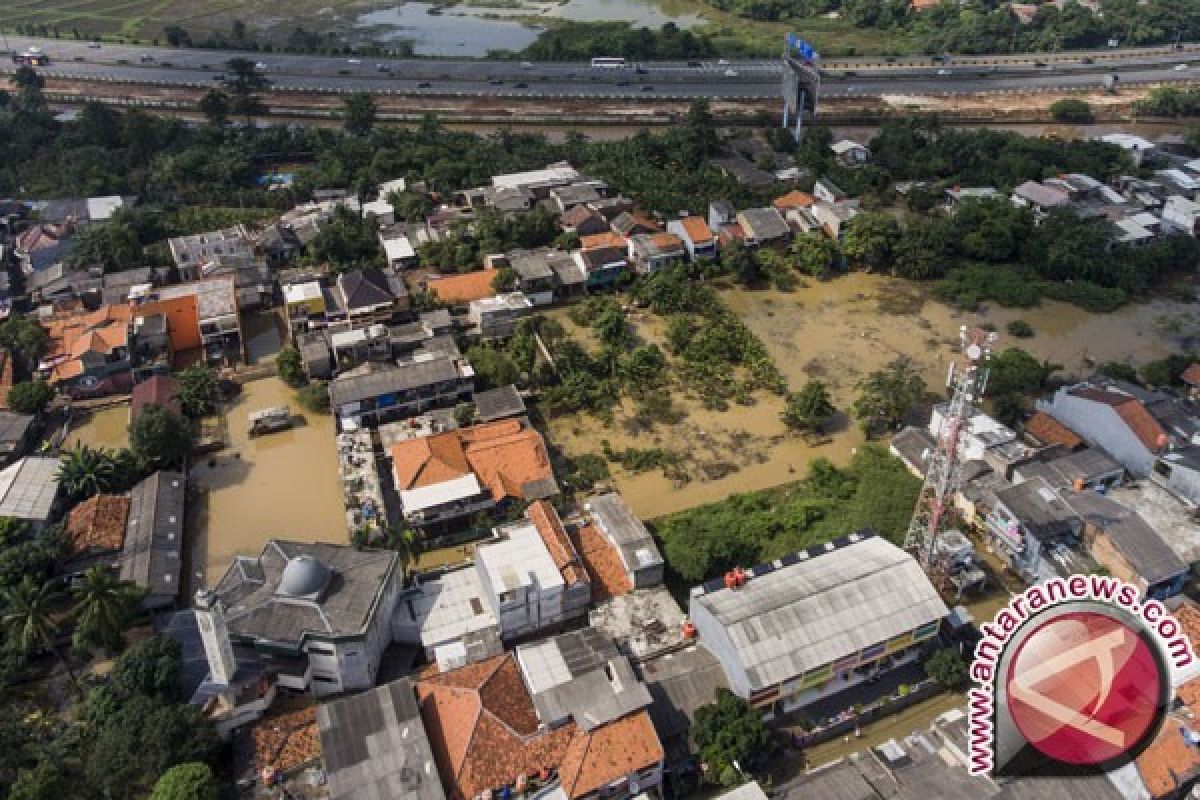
x=697, y=230
x=462, y=289
x=1169, y=763
x=603, y=564
x=550, y=528
x=578, y=215
x=75, y=333
x=1188, y=616
x=1191, y=375
x=504, y=455
x=797, y=199
x=606, y=239
x=921, y=5
x=484, y=732
x=286, y=737
x=98, y=523
x=1047, y=430
x=1132, y=412
x=666, y=241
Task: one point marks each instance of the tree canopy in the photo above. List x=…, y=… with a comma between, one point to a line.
x=732, y=738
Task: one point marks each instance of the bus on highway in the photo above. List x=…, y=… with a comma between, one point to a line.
x=33, y=57
x=608, y=62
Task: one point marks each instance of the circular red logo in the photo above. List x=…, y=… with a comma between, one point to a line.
x=1084, y=688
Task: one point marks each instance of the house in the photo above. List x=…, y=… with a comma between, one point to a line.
x=582, y=221
x=680, y=681
x=833, y=217
x=763, y=226
x=1044, y=430
x=1179, y=473
x=94, y=534
x=1116, y=422
x=743, y=170
x=372, y=295
x=1035, y=531
x=720, y=214
x=456, y=473
x=459, y=290
x=192, y=253
x=1024, y=12
x=540, y=273
x=1089, y=468
x=696, y=236
x=917, y=6
x=539, y=181
x=532, y=577
x=488, y=734
x=849, y=153
x=826, y=190
x=794, y=199
x=1181, y=214
x=1181, y=182
x=817, y=621
x=651, y=252
x=374, y=393
x=321, y=613
x=374, y=746
x=17, y=434
x=1122, y=542
x=448, y=616
x=42, y=245
x=499, y=403
x=201, y=315
x=958, y=194
x=88, y=351
x=152, y=553
x=278, y=243
x=1137, y=146
x=381, y=210
x=496, y=317
x=612, y=207
x=627, y=224
x=397, y=248
x=574, y=195
x=157, y=390
x=628, y=536
x=29, y=490
x=603, y=266
x=1040, y=197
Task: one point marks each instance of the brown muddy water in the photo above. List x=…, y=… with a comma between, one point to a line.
x=281, y=485
x=838, y=331
x=108, y=427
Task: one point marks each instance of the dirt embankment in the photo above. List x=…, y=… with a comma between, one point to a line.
x=983, y=108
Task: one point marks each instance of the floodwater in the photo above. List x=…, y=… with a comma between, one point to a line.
x=107, y=427
x=281, y=485
x=837, y=331
x=472, y=31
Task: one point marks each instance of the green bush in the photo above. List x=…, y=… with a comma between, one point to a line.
x=30, y=397
x=1071, y=109
x=1020, y=329
x=314, y=397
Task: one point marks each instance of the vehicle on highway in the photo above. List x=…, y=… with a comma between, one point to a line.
x=1181, y=67
x=1040, y=64
x=424, y=85
x=623, y=83
x=261, y=66
x=496, y=82
x=1087, y=60
x=647, y=88
x=353, y=60
x=731, y=73
x=640, y=71
x=526, y=65
x=383, y=68
x=145, y=58
x=218, y=77
x=521, y=85
x=722, y=62
x=695, y=64
x=943, y=72
x=33, y=57
x=93, y=45
x=608, y=62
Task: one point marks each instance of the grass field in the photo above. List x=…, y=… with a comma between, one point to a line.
x=144, y=21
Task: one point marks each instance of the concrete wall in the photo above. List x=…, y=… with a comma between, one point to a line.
x=714, y=636
x=1100, y=426
x=1182, y=482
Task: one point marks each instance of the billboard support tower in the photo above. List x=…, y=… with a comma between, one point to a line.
x=801, y=82
x=967, y=380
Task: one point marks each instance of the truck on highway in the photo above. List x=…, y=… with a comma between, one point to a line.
x=33, y=57
x=608, y=62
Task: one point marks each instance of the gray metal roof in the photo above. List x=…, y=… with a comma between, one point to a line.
x=28, y=488
x=681, y=682
x=818, y=605
x=1146, y=551
x=375, y=748
x=1087, y=465
x=913, y=445
x=633, y=541
x=256, y=609
x=764, y=223
x=373, y=380
x=531, y=265
x=151, y=555
x=13, y=427
x=579, y=675
x=1039, y=508
x=498, y=403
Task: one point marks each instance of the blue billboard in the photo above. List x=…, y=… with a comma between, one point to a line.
x=800, y=48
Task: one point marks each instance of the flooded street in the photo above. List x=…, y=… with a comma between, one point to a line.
x=282, y=485
x=839, y=331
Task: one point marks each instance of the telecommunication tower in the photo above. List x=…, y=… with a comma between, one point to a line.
x=967, y=379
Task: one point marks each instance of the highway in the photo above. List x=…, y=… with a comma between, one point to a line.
x=737, y=79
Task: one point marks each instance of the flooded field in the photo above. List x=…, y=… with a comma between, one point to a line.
x=282, y=485
x=838, y=331
x=108, y=427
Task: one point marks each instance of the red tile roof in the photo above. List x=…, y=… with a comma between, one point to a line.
x=287, y=736
x=1047, y=430
x=598, y=240
x=1191, y=375
x=98, y=523
x=797, y=199
x=550, y=528
x=697, y=230
x=157, y=390
x=1132, y=412
x=603, y=564
x=462, y=289
x=484, y=732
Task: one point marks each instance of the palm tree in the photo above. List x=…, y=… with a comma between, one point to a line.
x=103, y=605
x=407, y=543
x=86, y=471
x=27, y=620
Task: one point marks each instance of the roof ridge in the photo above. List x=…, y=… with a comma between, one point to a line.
x=587, y=746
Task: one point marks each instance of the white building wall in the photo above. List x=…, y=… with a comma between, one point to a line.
x=1100, y=426
x=714, y=636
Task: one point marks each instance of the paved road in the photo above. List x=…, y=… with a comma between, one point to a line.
x=743, y=79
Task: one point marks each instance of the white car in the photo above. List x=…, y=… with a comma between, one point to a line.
x=723, y=62
x=1182, y=67
x=261, y=67
x=526, y=65
x=943, y=72
x=94, y=45
x=731, y=73
x=353, y=61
